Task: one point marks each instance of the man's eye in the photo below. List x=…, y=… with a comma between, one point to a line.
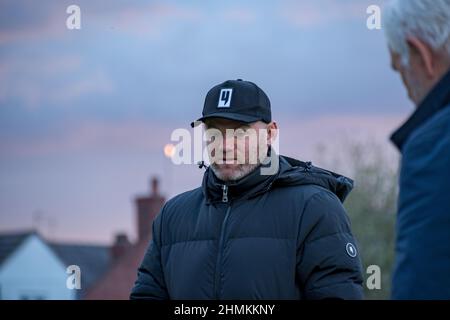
x=241, y=132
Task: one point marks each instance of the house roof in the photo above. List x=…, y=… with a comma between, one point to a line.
x=9, y=242
x=93, y=260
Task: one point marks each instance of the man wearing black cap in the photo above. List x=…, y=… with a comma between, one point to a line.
x=249, y=232
x=238, y=104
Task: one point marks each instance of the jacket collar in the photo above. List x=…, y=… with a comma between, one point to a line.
x=291, y=172
x=246, y=187
x=436, y=100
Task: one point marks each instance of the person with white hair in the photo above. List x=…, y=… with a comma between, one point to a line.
x=418, y=36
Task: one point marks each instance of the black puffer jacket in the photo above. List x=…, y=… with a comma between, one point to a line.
x=284, y=236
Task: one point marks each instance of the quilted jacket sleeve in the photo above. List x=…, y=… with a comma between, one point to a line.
x=328, y=264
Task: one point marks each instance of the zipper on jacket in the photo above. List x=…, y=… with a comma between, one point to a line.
x=224, y=193
x=221, y=244
x=308, y=166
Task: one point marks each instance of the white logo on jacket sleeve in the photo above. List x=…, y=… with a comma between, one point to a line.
x=351, y=250
x=225, y=98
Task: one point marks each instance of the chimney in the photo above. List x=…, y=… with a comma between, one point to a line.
x=154, y=188
x=120, y=246
x=147, y=209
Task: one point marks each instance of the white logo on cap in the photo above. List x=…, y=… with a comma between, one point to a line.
x=351, y=250
x=225, y=98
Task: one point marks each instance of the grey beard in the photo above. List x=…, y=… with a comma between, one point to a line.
x=241, y=171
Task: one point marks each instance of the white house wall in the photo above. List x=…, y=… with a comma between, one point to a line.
x=33, y=271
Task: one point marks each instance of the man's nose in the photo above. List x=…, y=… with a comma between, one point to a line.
x=228, y=143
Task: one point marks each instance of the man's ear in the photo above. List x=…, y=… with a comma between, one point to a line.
x=272, y=130
x=418, y=47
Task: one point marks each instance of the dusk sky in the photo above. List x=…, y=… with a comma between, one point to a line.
x=85, y=114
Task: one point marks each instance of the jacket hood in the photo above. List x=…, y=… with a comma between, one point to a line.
x=291, y=172
x=296, y=172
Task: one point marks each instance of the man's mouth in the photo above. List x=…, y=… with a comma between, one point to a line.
x=228, y=162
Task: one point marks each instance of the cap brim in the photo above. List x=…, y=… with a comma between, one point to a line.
x=228, y=115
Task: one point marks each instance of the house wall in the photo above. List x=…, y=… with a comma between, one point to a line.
x=33, y=271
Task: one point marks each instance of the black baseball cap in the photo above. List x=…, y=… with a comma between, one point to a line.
x=237, y=100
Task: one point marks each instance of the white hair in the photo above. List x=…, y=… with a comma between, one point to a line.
x=428, y=20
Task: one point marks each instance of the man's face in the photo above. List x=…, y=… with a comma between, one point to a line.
x=411, y=74
x=237, y=155
x=425, y=67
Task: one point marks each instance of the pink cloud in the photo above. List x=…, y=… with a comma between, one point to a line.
x=149, y=20
x=93, y=136
x=24, y=79
x=52, y=25
x=322, y=138
x=96, y=82
x=307, y=14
